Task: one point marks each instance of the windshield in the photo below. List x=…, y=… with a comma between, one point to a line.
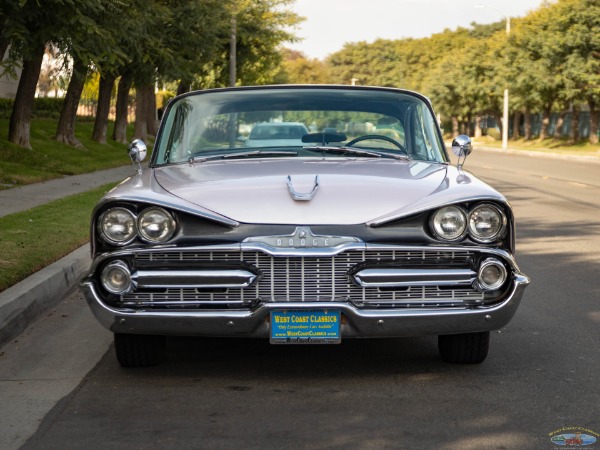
x=298, y=122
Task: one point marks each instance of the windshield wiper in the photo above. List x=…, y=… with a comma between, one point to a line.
x=245, y=154
x=356, y=151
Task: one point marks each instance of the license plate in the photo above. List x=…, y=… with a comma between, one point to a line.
x=321, y=326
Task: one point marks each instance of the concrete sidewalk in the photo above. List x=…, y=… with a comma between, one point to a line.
x=26, y=197
x=27, y=300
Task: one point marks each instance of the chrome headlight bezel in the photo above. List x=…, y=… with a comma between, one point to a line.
x=436, y=223
x=121, y=268
x=502, y=275
x=105, y=234
x=500, y=229
x=168, y=220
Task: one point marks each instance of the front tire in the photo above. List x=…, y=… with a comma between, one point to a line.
x=139, y=350
x=467, y=348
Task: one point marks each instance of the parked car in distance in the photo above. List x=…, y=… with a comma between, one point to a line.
x=347, y=232
x=275, y=134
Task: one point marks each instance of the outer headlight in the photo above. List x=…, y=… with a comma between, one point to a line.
x=117, y=226
x=486, y=223
x=449, y=223
x=156, y=225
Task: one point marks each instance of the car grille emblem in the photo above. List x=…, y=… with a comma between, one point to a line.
x=302, y=197
x=303, y=237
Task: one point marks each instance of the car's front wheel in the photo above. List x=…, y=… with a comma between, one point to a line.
x=467, y=348
x=139, y=350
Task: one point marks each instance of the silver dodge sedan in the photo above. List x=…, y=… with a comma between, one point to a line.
x=357, y=228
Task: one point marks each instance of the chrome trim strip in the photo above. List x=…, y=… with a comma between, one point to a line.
x=358, y=322
x=300, y=252
x=390, y=277
x=213, y=279
x=301, y=238
x=177, y=304
x=431, y=207
x=159, y=201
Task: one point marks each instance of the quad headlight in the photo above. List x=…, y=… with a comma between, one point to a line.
x=486, y=223
x=156, y=225
x=449, y=223
x=117, y=226
x=120, y=226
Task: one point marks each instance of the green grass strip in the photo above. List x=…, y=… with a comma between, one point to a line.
x=50, y=159
x=32, y=239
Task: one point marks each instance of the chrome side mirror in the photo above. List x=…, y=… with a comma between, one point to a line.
x=462, y=147
x=137, y=153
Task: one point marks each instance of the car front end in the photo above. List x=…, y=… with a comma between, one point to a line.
x=303, y=244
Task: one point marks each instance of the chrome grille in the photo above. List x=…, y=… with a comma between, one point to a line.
x=301, y=279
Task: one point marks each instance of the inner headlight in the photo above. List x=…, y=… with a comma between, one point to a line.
x=156, y=225
x=486, y=223
x=117, y=226
x=449, y=223
x=492, y=275
x=116, y=278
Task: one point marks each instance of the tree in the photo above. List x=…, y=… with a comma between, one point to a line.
x=26, y=28
x=92, y=40
x=29, y=26
x=121, y=108
x=577, y=23
x=65, y=130
x=298, y=69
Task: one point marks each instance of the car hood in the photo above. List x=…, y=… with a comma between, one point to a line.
x=350, y=191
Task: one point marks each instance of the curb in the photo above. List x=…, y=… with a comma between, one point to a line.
x=29, y=299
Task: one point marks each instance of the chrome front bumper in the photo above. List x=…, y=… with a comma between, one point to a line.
x=355, y=322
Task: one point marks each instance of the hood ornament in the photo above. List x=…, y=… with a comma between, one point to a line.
x=303, y=197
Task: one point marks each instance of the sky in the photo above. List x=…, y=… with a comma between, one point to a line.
x=331, y=23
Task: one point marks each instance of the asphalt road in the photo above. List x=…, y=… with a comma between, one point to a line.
x=542, y=374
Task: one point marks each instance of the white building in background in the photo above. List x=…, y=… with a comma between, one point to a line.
x=8, y=84
x=53, y=73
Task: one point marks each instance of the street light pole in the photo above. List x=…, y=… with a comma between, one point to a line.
x=505, y=109
x=233, y=52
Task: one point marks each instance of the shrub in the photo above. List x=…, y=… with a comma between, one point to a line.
x=42, y=107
